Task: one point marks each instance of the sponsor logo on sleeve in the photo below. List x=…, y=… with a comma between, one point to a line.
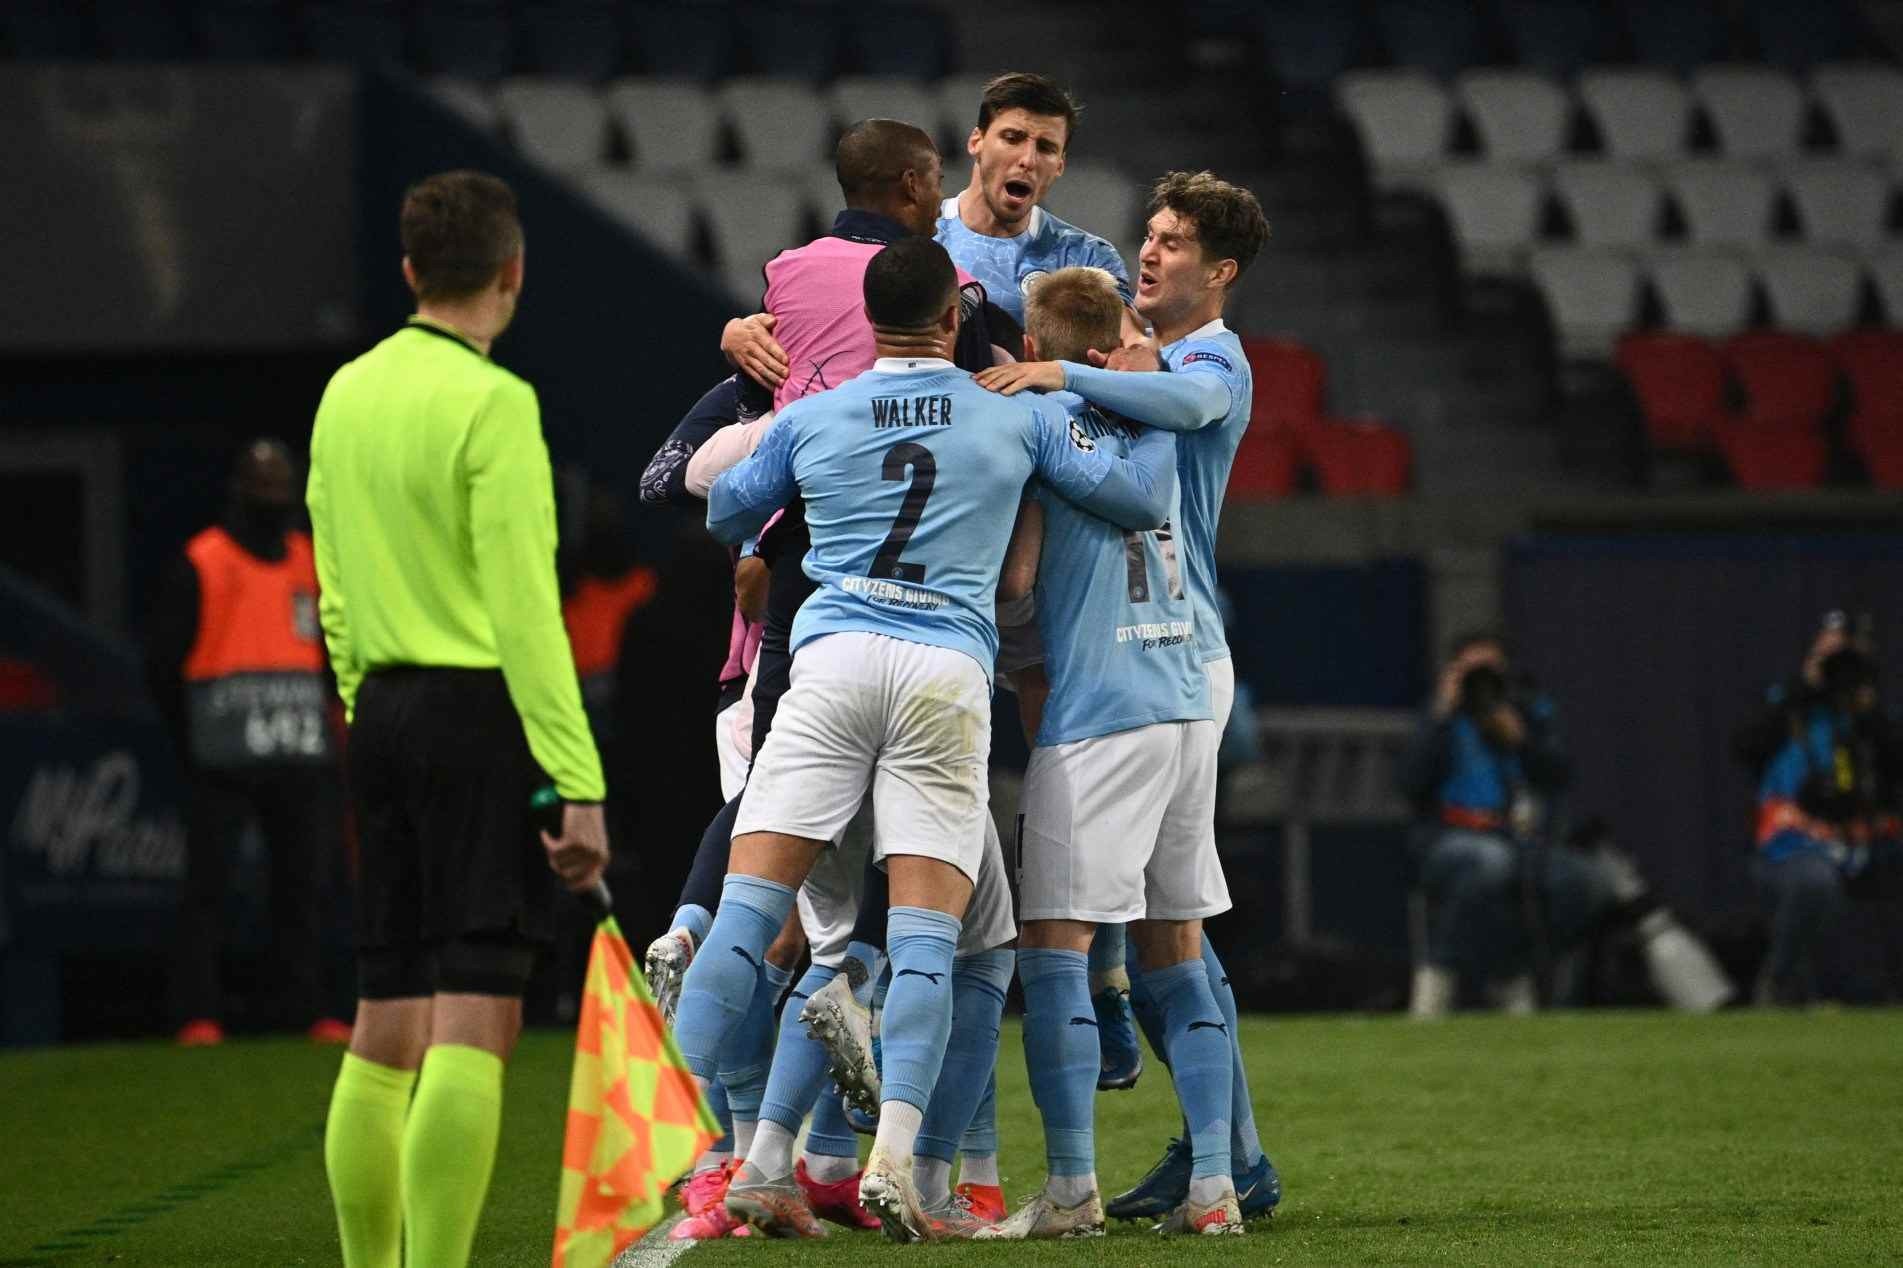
x=1215, y=358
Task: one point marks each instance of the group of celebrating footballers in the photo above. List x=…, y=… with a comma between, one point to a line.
x=958, y=445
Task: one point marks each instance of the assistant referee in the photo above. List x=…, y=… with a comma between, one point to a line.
x=433, y=514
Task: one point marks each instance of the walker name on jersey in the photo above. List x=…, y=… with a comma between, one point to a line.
x=1155, y=634
x=911, y=411
x=892, y=594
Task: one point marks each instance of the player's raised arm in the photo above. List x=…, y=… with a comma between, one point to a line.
x=1133, y=493
x=1197, y=396
x=744, y=498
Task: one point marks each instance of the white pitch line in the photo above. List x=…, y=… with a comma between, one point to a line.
x=654, y=1250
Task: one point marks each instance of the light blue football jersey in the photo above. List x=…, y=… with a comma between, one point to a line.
x=1113, y=613
x=912, y=475
x=1205, y=395
x=1007, y=266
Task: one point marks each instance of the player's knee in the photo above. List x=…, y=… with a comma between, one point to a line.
x=1056, y=935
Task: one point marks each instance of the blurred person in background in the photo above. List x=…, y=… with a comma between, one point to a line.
x=1829, y=765
x=236, y=660
x=603, y=585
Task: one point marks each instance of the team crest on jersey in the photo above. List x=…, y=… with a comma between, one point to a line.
x=1031, y=279
x=1081, y=438
x=1216, y=358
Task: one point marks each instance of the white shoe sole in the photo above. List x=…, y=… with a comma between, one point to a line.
x=850, y=1067
x=886, y=1200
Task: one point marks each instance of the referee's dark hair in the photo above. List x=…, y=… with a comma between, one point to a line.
x=910, y=284
x=875, y=154
x=459, y=228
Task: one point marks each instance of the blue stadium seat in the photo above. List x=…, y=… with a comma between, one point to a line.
x=682, y=41
x=1441, y=37
x=1679, y=35
x=1309, y=42
x=790, y=40
x=245, y=30
x=465, y=38
x=1558, y=38
x=576, y=39
x=43, y=29
x=358, y=32
x=140, y=30
x=897, y=39
x=1800, y=36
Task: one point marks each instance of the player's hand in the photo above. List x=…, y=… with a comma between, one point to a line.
x=1131, y=356
x=1009, y=380
x=749, y=345
x=580, y=854
x=750, y=577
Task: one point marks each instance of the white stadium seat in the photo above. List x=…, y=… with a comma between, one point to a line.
x=1812, y=291
x=1758, y=112
x=1405, y=119
x=1611, y=204
x=1865, y=101
x=1593, y=295
x=958, y=110
x=782, y=124
x=1885, y=269
x=467, y=100
x=753, y=217
x=1641, y=114
x=1520, y=116
x=1099, y=198
x=1725, y=203
x=560, y=123
x=1704, y=293
x=672, y=124
x=857, y=97
x=821, y=189
x=1495, y=211
x=1840, y=202
x=659, y=210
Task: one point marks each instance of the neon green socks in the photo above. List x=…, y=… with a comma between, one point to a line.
x=449, y=1149
x=363, y=1139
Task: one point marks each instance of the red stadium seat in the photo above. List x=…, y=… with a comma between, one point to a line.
x=1680, y=382
x=1268, y=462
x=1289, y=383
x=1873, y=362
x=1772, y=457
x=1789, y=380
x=1361, y=457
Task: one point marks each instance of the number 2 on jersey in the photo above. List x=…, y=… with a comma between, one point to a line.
x=886, y=562
x=1136, y=564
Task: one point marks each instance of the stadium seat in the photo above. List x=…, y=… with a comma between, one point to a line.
x=857, y=97
x=671, y=124
x=1885, y=270
x=1101, y=198
x=1440, y=37
x=1559, y=38
x=898, y=39
x=1817, y=292
x=1610, y=204
x=1703, y=293
x=469, y=41
x=1757, y=112
x=355, y=33
x=1771, y=458
x=820, y=187
x=244, y=30
x=1290, y=382
x=1641, y=114
x=1309, y=43
x=1268, y=465
x=1841, y=202
x=1789, y=380
x=1797, y=37
x=1405, y=120
x=958, y=113
x=1677, y=35
x=1360, y=457
x=470, y=102
x=1593, y=295
x=1724, y=203
x=1872, y=361
x=781, y=124
x=1679, y=381
x=1495, y=211
x=1521, y=117
x=791, y=39
x=658, y=210
x=1864, y=101
x=682, y=41
x=580, y=39
x=560, y=123
x=753, y=217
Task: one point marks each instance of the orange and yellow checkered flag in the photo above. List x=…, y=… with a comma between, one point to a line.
x=636, y=1119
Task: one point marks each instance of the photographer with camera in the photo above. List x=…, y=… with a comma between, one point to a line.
x=1829, y=766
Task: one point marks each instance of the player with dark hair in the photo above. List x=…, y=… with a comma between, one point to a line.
x=433, y=514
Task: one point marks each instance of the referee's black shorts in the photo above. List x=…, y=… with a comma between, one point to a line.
x=454, y=890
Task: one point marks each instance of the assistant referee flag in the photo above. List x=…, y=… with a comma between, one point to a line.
x=438, y=507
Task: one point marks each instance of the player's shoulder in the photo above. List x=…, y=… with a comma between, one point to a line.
x=1212, y=349
x=1078, y=245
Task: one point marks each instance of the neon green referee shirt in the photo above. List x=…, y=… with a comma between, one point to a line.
x=433, y=514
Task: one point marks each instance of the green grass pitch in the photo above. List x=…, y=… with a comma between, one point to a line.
x=1571, y=1138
